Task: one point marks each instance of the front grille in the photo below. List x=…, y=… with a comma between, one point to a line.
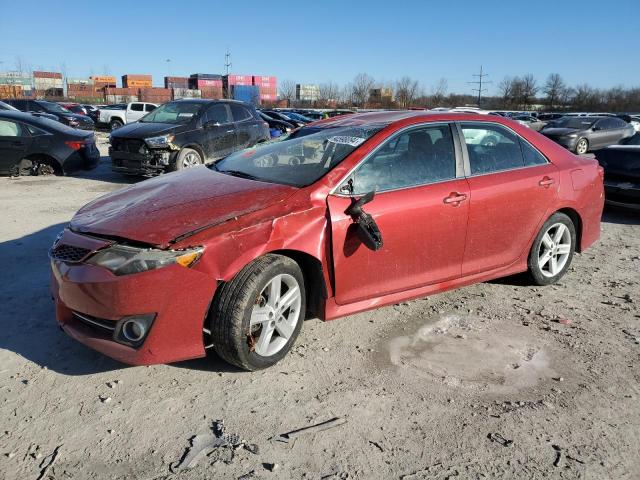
x=69, y=253
x=94, y=322
x=128, y=145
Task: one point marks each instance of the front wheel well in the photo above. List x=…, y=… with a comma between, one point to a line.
x=315, y=286
x=577, y=223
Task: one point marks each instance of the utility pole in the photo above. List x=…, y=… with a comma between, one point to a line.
x=227, y=66
x=479, y=82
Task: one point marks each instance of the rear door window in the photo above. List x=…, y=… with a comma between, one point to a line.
x=149, y=108
x=137, y=107
x=531, y=155
x=491, y=148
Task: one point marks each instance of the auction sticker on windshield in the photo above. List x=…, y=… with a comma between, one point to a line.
x=347, y=140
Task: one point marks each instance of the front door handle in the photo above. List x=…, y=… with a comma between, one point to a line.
x=230, y=131
x=546, y=182
x=455, y=199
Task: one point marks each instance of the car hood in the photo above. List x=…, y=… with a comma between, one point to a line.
x=75, y=116
x=159, y=210
x=558, y=132
x=143, y=130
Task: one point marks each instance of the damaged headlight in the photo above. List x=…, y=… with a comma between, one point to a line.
x=124, y=260
x=163, y=141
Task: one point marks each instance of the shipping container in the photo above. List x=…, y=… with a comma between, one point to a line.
x=79, y=81
x=137, y=81
x=198, y=83
x=103, y=79
x=246, y=93
x=13, y=78
x=11, y=91
x=230, y=80
x=122, y=91
x=178, y=93
x=155, y=95
x=120, y=98
x=206, y=76
x=176, y=82
x=37, y=74
x=258, y=79
x=212, y=92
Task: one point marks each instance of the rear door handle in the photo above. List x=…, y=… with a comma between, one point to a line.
x=546, y=182
x=455, y=199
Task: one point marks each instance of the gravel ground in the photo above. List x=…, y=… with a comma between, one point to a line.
x=496, y=380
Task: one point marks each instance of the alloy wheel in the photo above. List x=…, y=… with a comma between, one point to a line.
x=582, y=146
x=191, y=159
x=555, y=249
x=275, y=314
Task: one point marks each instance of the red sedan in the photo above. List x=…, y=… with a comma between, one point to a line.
x=345, y=215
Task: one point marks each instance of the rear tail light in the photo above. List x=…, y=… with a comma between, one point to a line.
x=74, y=144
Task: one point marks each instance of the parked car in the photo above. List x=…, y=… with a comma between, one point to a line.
x=74, y=108
x=276, y=125
x=93, y=112
x=549, y=116
x=52, y=110
x=313, y=115
x=185, y=133
x=532, y=122
x=283, y=117
x=582, y=134
x=297, y=116
x=6, y=106
x=121, y=114
x=26, y=140
x=621, y=165
x=376, y=209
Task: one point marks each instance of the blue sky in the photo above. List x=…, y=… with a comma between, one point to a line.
x=314, y=42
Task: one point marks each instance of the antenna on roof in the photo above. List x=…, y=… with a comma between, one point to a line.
x=479, y=82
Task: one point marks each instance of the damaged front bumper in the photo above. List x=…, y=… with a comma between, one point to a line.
x=92, y=305
x=149, y=164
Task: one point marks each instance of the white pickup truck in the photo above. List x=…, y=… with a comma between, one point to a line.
x=118, y=115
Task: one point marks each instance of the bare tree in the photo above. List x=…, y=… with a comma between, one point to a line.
x=529, y=90
x=506, y=90
x=287, y=90
x=329, y=93
x=362, y=83
x=406, y=90
x=554, y=89
x=439, y=92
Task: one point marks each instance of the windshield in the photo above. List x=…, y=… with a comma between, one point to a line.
x=580, y=123
x=53, y=107
x=173, y=112
x=302, y=158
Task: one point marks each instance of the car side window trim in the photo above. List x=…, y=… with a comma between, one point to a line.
x=335, y=191
x=465, y=151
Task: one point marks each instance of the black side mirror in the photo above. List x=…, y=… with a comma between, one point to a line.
x=368, y=231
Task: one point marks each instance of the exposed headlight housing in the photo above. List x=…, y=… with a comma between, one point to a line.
x=162, y=141
x=125, y=260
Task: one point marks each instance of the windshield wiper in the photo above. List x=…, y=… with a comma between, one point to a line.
x=238, y=173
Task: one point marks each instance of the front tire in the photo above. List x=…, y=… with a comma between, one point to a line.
x=188, y=158
x=552, y=250
x=582, y=146
x=256, y=317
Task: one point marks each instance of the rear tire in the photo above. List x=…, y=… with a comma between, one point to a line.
x=257, y=316
x=552, y=250
x=115, y=124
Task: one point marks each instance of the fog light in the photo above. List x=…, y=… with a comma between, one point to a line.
x=133, y=330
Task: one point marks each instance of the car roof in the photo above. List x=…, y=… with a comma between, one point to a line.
x=394, y=116
x=209, y=100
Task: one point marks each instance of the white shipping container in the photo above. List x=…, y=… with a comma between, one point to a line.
x=120, y=98
x=179, y=93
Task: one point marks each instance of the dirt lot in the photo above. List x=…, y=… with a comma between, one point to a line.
x=497, y=380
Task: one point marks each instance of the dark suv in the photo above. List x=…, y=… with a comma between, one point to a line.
x=50, y=109
x=185, y=133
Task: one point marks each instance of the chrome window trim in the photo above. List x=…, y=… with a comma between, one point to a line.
x=335, y=190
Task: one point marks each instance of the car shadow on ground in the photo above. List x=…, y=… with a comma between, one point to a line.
x=104, y=173
x=27, y=317
x=29, y=328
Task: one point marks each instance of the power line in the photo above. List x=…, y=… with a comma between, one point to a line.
x=479, y=82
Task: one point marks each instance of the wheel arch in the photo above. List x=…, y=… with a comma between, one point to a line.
x=314, y=279
x=194, y=146
x=577, y=223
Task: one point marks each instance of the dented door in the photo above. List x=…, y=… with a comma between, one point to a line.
x=423, y=235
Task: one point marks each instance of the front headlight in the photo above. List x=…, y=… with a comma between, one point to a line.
x=162, y=141
x=123, y=260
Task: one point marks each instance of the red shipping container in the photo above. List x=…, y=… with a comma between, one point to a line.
x=257, y=79
x=37, y=74
x=211, y=92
